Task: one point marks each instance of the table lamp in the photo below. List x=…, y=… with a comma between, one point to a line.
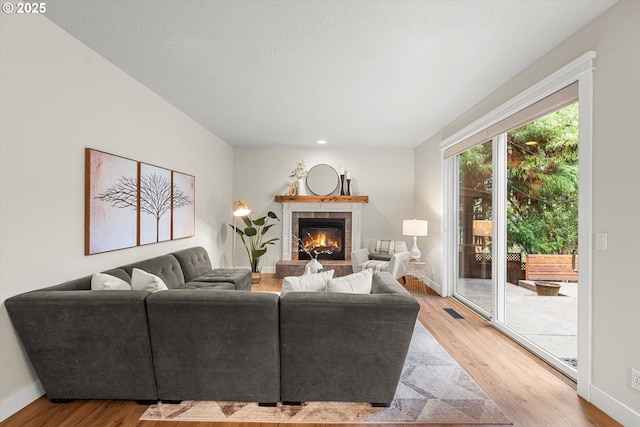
x=415, y=228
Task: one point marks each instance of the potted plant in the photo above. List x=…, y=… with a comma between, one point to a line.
x=252, y=237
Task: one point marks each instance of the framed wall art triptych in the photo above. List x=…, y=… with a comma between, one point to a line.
x=129, y=203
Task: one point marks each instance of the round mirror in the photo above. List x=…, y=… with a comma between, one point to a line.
x=322, y=180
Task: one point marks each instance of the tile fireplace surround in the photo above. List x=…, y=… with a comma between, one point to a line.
x=296, y=207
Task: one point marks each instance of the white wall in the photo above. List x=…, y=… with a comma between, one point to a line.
x=428, y=205
x=386, y=176
x=615, y=36
x=59, y=97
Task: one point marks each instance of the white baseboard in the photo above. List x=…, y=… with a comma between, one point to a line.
x=19, y=400
x=616, y=410
x=432, y=284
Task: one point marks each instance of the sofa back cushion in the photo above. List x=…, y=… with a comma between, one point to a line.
x=194, y=262
x=316, y=282
x=166, y=267
x=355, y=283
x=215, y=345
x=86, y=344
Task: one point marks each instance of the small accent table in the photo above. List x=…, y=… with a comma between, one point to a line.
x=415, y=269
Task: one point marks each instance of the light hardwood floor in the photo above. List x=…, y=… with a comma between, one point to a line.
x=527, y=390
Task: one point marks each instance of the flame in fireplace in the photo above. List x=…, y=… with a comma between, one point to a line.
x=320, y=242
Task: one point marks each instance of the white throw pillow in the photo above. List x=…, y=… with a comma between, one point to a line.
x=356, y=283
x=143, y=281
x=316, y=282
x=107, y=282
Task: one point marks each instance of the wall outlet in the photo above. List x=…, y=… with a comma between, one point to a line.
x=635, y=379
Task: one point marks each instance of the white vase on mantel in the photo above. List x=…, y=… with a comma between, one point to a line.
x=313, y=267
x=302, y=190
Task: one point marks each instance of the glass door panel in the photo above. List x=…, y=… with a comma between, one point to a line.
x=542, y=234
x=473, y=283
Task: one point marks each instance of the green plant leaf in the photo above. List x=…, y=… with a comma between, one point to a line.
x=266, y=228
x=250, y=231
x=238, y=230
x=259, y=252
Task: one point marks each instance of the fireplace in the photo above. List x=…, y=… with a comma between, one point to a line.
x=323, y=235
x=292, y=263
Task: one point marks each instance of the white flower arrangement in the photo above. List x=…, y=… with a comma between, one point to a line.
x=309, y=247
x=300, y=172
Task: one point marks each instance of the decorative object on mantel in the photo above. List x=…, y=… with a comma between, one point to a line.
x=309, y=247
x=344, y=176
x=252, y=239
x=292, y=189
x=415, y=228
x=322, y=180
x=300, y=174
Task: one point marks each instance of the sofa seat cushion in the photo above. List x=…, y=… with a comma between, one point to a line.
x=240, y=277
x=209, y=285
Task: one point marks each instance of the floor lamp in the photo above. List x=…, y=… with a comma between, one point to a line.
x=415, y=228
x=240, y=208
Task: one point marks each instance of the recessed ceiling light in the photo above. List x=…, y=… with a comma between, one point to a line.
x=322, y=141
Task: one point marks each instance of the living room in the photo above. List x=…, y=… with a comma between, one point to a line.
x=59, y=97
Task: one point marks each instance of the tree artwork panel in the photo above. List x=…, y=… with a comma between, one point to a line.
x=111, y=220
x=155, y=204
x=129, y=203
x=184, y=193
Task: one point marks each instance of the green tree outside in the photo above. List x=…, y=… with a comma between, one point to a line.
x=542, y=182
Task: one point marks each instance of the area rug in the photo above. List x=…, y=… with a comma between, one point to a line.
x=433, y=389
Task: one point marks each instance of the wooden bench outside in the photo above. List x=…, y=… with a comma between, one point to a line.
x=556, y=268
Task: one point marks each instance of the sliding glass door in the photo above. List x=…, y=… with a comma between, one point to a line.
x=516, y=204
x=541, y=286
x=475, y=194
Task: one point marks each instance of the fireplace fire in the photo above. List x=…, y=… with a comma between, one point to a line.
x=325, y=236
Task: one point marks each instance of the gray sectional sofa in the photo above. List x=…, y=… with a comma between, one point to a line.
x=210, y=338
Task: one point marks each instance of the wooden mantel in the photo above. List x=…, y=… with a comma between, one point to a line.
x=322, y=199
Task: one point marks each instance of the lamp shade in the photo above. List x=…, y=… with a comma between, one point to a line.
x=240, y=208
x=415, y=227
x=482, y=227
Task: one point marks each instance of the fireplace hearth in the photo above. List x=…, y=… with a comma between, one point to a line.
x=324, y=236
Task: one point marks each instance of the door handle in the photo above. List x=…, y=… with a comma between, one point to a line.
x=574, y=255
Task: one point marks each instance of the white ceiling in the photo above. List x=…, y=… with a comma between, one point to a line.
x=279, y=73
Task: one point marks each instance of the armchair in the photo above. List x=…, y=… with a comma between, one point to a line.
x=382, y=255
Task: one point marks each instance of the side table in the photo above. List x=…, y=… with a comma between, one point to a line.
x=415, y=269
